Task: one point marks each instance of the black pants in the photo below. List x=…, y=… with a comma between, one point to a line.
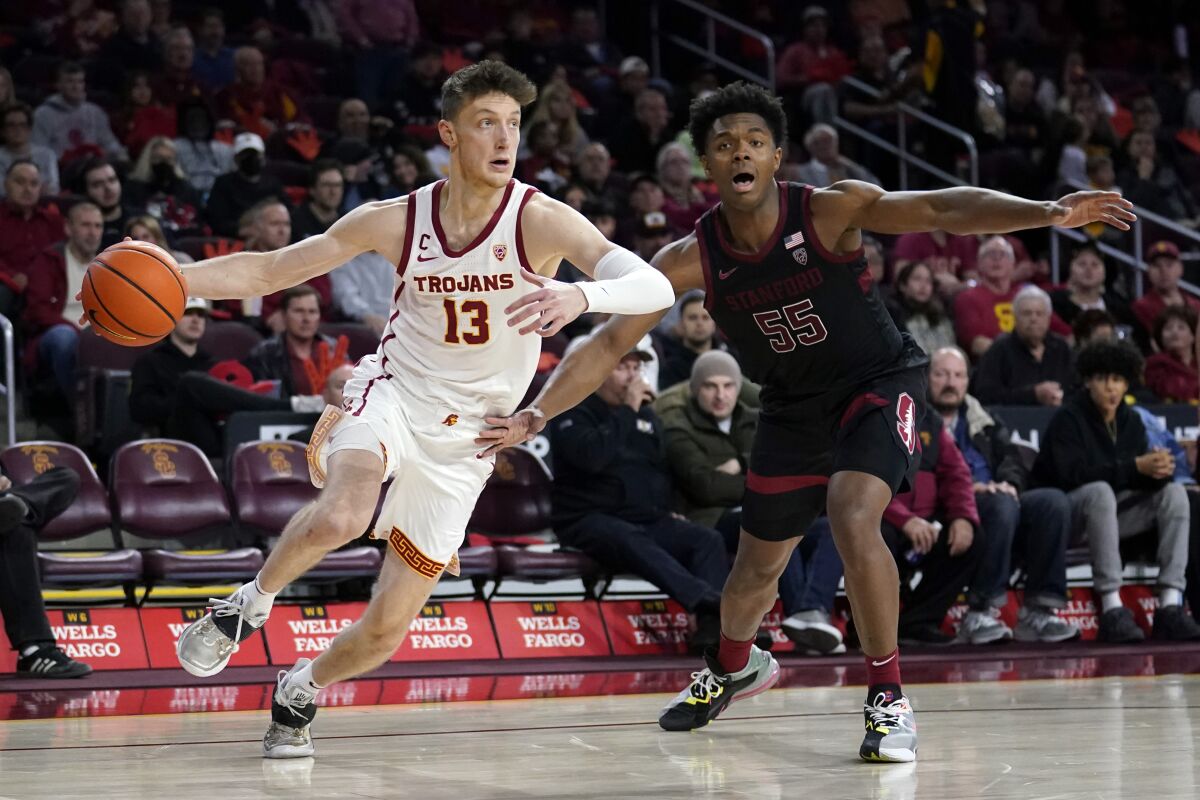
x=1192, y=592
x=200, y=399
x=47, y=496
x=683, y=559
x=942, y=576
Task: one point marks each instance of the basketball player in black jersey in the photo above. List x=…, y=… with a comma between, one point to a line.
x=785, y=279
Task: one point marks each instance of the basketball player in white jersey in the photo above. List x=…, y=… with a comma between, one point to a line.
x=465, y=249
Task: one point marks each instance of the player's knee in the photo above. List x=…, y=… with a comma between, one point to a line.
x=337, y=522
x=383, y=635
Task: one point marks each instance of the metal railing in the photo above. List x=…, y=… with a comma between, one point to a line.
x=708, y=49
x=900, y=147
x=9, y=389
x=1136, y=238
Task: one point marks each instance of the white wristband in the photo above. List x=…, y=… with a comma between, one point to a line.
x=625, y=284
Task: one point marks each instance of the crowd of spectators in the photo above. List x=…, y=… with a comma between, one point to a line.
x=208, y=130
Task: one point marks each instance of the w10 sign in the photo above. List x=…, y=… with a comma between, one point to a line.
x=638, y=627
x=449, y=632
x=549, y=628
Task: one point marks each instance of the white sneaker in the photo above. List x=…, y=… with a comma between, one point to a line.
x=812, y=631
x=1036, y=624
x=981, y=627
x=205, y=646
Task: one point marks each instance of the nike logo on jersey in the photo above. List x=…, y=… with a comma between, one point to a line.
x=424, y=259
x=723, y=274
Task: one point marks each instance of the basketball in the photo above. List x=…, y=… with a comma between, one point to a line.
x=133, y=293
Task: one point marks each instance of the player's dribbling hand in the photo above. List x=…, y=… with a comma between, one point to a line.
x=521, y=427
x=553, y=305
x=1083, y=208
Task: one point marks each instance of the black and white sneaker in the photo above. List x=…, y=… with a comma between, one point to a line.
x=292, y=712
x=205, y=646
x=50, y=662
x=891, y=730
x=712, y=689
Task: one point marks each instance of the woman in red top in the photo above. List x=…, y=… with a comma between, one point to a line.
x=1171, y=372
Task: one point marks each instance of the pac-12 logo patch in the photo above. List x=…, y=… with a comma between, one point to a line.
x=906, y=423
x=500, y=251
x=801, y=256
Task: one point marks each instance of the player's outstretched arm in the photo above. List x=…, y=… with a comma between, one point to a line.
x=623, y=283
x=586, y=367
x=242, y=275
x=963, y=210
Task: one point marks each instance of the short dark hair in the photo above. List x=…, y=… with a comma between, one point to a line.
x=690, y=299
x=1086, y=323
x=736, y=98
x=1087, y=247
x=1103, y=358
x=483, y=78
x=212, y=11
x=296, y=292
x=68, y=68
x=320, y=167
x=19, y=162
x=17, y=108
x=1184, y=313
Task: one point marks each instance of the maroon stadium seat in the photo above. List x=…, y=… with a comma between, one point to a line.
x=532, y=564
x=360, y=340
x=516, y=499
x=478, y=562
x=88, y=513
x=228, y=339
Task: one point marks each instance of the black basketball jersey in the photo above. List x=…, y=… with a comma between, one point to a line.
x=805, y=321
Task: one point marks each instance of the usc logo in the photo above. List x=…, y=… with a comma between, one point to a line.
x=40, y=456
x=277, y=459
x=450, y=421
x=163, y=464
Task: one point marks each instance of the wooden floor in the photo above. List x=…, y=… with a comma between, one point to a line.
x=1093, y=739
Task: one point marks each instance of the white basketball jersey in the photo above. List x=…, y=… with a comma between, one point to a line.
x=448, y=327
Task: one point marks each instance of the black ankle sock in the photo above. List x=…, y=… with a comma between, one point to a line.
x=891, y=691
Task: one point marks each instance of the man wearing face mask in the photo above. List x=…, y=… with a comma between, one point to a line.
x=233, y=194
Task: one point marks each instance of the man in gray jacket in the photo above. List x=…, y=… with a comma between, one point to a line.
x=71, y=126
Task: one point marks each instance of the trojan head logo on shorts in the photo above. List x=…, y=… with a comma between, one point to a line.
x=451, y=420
x=906, y=424
x=499, y=251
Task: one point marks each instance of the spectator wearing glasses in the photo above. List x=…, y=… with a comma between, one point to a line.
x=17, y=135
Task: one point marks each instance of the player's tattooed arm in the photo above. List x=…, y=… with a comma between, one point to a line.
x=849, y=206
x=372, y=226
x=586, y=367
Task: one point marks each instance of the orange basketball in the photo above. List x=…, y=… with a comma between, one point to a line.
x=133, y=293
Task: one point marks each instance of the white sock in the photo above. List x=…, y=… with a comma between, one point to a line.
x=30, y=650
x=303, y=678
x=1170, y=597
x=257, y=601
x=1109, y=601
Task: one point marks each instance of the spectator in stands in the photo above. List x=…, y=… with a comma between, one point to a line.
x=876, y=264
x=26, y=229
x=325, y=191
x=201, y=157
x=157, y=184
x=694, y=334
x=612, y=497
x=383, y=32
x=1150, y=183
x=1171, y=372
x=1085, y=289
x=651, y=235
x=70, y=125
x=267, y=227
x=984, y=311
x=146, y=228
x=636, y=142
x=234, y=193
x=132, y=47
x=213, y=62
x=172, y=392
x=359, y=173
x=556, y=103
x=825, y=164
x=950, y=257
x=283, y=356
x=417, y=100
x=932, y=527
x=8, y=90
x=409, y=171
x=24, y=510
x=1164, y=269
x=1095, y=449
x=916, y=308
x=1093, y=325
x=254, y=101
x=142, y=117
x=811, y=67
x=946, y=66
x=17, y=135
x=1030, y=366
x=333, y=395
x=1037, y=522
x=541, y=153
x=593, y=171
x=178, y=81
x=683, y=201
x=603, y=215
x=51, y=316
x=645, y=197
x=362, y=290
x=590, y=58
x=633, y=76
x=1177, y=96
x=100, y=184
x=1026, y=126
x=877, y=115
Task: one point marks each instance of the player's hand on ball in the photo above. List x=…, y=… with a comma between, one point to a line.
x=553, y=305
x=1083, y=208
x=521, y=427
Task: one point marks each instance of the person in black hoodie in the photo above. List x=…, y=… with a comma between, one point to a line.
x=1095, y=449
x=612, y=497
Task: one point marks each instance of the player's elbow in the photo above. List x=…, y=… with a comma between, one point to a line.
x=660, y=291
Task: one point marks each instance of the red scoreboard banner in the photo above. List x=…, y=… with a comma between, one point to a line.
x=162, y=628
x=306, y=631
x=641, y=627
x=549, y=628
x=449, y=632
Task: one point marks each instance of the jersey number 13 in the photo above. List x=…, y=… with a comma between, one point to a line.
x=475, y=314
x=791, y=325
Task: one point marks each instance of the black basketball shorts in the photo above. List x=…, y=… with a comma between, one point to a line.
x=872, y=429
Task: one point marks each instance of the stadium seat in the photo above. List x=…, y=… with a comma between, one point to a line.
x=516, y=500
x=102, y=420
x=88, y=513
x=359, y=337
x=536, y=564
x=228, y=339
